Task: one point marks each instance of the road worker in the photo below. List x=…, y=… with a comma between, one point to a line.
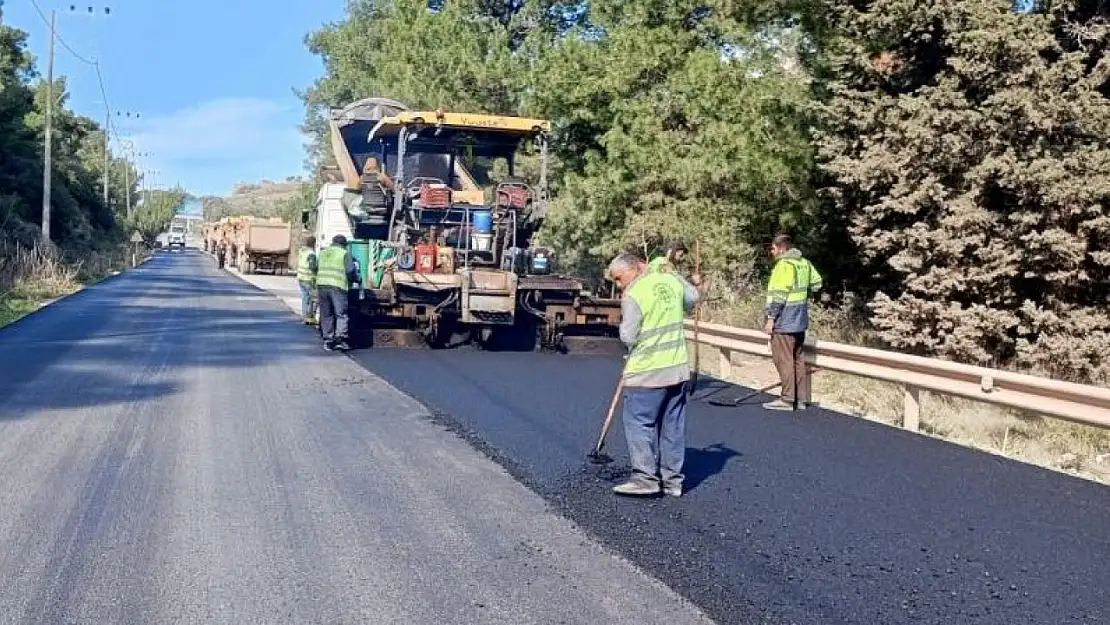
x=656, y=374
x=306, y=278
x=371, y=172
x=673, y=255
x=335, y=270
x=793, y=281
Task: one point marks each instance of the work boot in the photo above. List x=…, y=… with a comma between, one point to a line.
x=638, y=487
x=779, y=404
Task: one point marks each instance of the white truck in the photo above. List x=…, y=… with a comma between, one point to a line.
x=177, y=236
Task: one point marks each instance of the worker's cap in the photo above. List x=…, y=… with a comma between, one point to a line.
x=339, y=240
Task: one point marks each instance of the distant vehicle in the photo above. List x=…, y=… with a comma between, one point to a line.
x=177, y=236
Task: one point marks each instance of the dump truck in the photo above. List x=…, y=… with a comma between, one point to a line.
x=259, y=244
x=446, y=248
x=217, y=234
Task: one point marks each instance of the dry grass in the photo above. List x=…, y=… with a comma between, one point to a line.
x=31, y=276
x=1052, y=443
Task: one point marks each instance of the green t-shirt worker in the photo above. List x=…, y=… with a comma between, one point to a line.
x=673, y=255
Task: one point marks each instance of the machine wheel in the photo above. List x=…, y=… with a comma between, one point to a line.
x=445, y=333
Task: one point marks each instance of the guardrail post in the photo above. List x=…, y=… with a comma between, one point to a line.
x=726, y=363
x=808, y=398
x=911, y=410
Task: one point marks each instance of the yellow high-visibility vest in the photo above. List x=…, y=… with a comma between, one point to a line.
x=330, y=268
x=662, y=339
x=304, y=271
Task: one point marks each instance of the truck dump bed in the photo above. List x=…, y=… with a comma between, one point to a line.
x=267, y=237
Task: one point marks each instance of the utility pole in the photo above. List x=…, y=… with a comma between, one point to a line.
x=127, y=186
x=107, y=121
x=47, y=165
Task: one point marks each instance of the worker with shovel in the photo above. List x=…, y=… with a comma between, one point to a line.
x=656, y=374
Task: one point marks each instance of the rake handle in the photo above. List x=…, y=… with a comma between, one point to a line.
x=609, y=416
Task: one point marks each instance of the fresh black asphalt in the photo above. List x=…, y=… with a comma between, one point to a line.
x=810, y=518
x=176, y=448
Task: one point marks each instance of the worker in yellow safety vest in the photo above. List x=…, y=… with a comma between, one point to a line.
x=793, y=280
x=673, y=255
x=656, y=374
x=335, y=270
x=306, y=279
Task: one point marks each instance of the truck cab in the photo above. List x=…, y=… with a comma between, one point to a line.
x=176, y=237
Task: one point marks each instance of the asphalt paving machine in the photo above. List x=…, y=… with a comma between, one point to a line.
x=446, y=248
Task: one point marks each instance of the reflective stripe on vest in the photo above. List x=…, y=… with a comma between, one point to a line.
x=330, y=269
x=304, y=272
x=662, y=339
x=793, y=286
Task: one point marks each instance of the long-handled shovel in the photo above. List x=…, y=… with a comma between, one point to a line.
x=697, y=318
x=736, y=401
x=595, y=456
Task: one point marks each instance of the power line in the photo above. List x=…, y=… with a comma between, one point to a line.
x=108, y=126
x=60, y=40
x=95, y=63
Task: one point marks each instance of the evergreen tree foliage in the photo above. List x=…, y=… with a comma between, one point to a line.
x=677, y=120
x=79, y=216
x=970, y=150
x=672, y=118
x=155, y=212
x=948, y=159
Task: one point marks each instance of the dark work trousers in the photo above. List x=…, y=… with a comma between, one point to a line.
x=786, y=351
x=332, y=303
x=655, y=432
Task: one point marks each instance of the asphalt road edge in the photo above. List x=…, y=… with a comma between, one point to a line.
x=45, y=304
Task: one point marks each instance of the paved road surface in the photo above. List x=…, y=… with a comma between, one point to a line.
x=814, y=519
x=175, y=448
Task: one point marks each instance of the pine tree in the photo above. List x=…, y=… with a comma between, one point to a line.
x=969, y=146
x=675, y=120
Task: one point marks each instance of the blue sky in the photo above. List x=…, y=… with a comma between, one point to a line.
x=211, y=80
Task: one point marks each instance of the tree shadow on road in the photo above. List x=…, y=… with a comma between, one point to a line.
x=134, y=337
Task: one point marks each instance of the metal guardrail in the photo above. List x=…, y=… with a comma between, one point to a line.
x=1089, y=405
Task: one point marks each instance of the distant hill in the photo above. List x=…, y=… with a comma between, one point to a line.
x=262, y=199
